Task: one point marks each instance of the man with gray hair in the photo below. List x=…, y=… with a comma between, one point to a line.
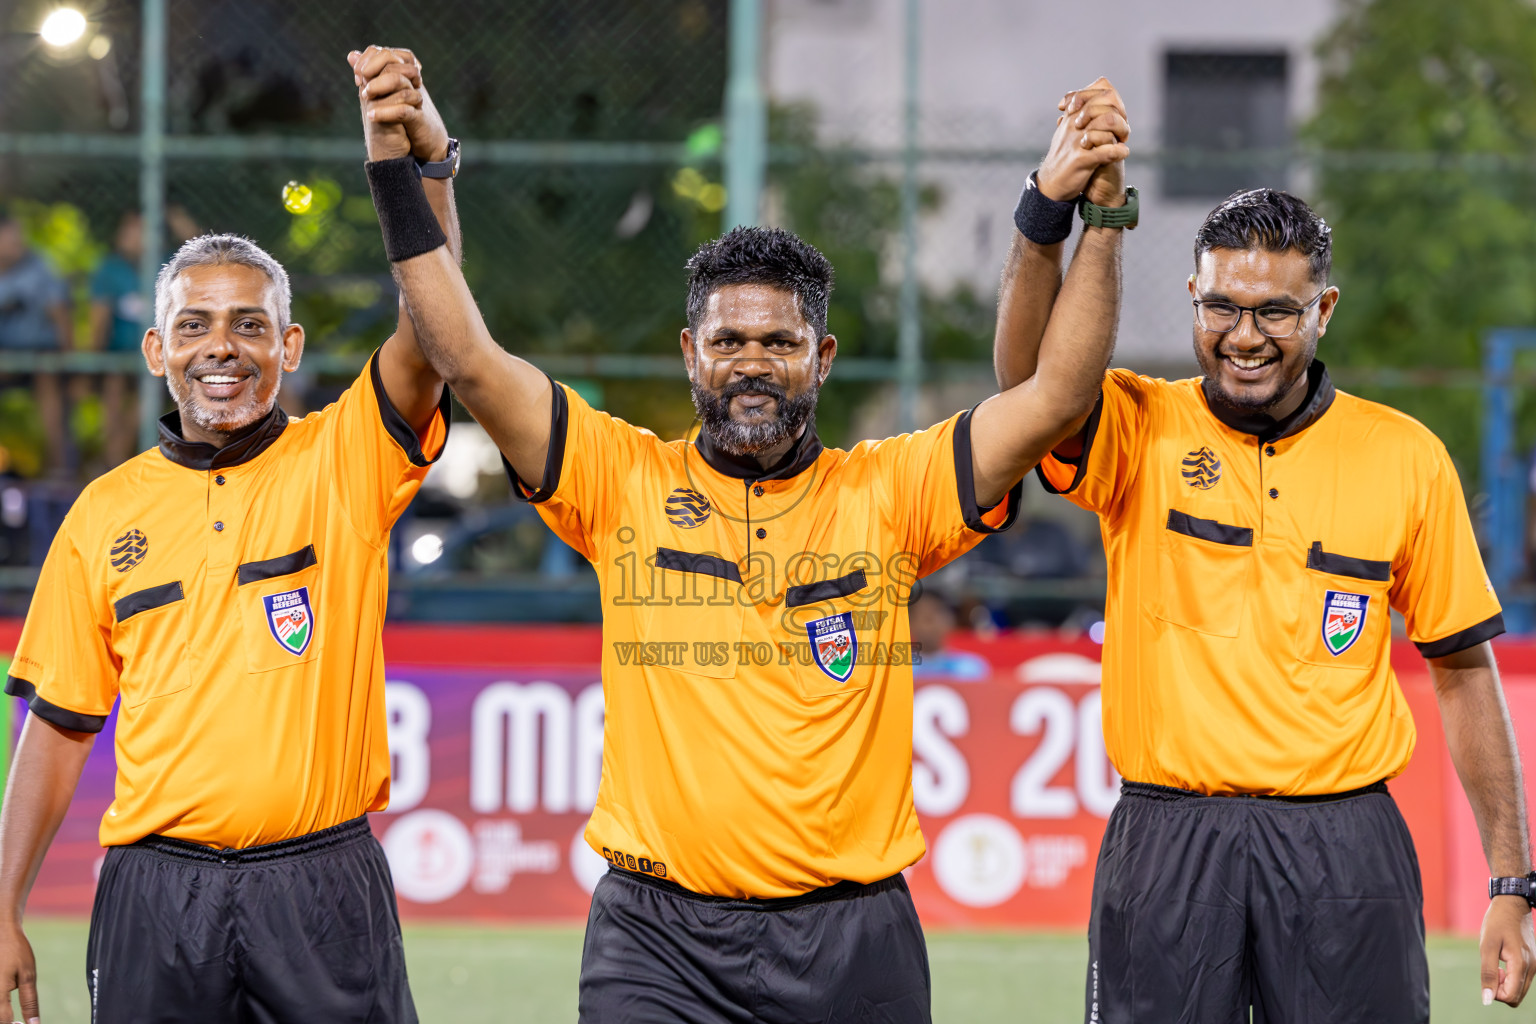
x=226, y=592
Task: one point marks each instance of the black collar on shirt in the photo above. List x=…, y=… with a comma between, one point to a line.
x=256, y=438
x=801, y=455
x=1320, y=395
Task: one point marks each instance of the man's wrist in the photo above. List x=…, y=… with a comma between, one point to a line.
x=1041, y=219
x=406, y=217
x=1512, y=885
x=1122, y=214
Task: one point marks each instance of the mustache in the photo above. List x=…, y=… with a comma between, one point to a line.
x=225, y=366
x=751, y=386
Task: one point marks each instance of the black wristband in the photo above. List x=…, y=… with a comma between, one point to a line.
x=410, y=227
x=1041, y=219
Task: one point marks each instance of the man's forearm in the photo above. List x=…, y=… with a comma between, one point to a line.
x=444, y=313
x=440, y=196
x=1031, y=281
x=1481, y=742
x=1080, y=336
x=44, y=773
x=439, y=193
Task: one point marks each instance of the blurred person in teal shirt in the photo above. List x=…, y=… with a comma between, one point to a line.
x=117, y=322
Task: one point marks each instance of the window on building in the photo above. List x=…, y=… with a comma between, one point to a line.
x=1224, y=122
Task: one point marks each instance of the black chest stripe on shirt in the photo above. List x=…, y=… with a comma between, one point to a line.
x=282, y=565
x=704, y=565
x=1344, y=565
x=1209, y=529
x=825, y=590
x=144, y=600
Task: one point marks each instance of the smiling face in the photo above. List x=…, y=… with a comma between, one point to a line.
x=756, y=367
x=1245, y=369
x=223, y=354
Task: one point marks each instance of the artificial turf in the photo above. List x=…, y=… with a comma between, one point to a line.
x=527, y=975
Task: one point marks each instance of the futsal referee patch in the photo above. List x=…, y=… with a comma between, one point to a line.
x=291, y=619
x=1343, y=620
x=834, y=645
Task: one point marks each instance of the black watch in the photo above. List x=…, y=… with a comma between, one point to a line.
x=447, y=167
x=1522, y=887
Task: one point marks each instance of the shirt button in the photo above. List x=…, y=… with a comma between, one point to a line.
x=220, y=478
x=761, y=533
x=1274, y=493
x=1270, y=450
x=758, y=490
x=220, y=526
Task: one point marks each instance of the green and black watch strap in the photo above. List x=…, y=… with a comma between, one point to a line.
x=1112, y=216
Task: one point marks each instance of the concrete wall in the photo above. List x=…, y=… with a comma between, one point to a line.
x=991, y=73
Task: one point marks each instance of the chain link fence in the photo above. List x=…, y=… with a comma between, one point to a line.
x=592, y=168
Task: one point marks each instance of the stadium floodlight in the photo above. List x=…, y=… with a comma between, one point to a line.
x=427, y=549
x=63, y=27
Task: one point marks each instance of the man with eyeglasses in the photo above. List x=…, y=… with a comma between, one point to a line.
x=1260, y=528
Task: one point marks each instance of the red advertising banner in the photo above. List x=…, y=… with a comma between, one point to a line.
x=496, y=743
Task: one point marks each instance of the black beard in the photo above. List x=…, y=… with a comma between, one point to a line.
x=1241, y=405
x=733, y=438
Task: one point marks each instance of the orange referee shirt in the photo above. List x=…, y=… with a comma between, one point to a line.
x=231, y=599
x=757, y=661
x=1253, y=569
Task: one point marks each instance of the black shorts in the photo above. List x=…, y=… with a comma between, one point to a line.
x=1308, y=910
x=292, y=932
x=656, y=952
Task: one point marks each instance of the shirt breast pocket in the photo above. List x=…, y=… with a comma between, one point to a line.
x=150, y=639
x=825, y=616
x=1344, y=621
x=1205, y=570
x=697, y=613
x=277, y=599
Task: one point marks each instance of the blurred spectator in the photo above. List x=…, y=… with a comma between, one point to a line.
x=933, y=620
x=34, y=316
x=117, y=325
x=118, y=310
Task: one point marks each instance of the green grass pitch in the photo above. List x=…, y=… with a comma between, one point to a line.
x=477, y=975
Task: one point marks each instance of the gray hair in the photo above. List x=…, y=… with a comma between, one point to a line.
x=220, y=251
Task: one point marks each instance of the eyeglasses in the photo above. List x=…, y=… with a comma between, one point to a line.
x=1271, y=321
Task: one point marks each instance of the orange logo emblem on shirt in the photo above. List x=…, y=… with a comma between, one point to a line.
x=128, y=550
x=1201, y=468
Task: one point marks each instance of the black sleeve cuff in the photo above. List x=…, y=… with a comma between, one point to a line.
x=965, y=479
x=559, y=422
x=403, y=433
x=52, y=713
x=1090, y=431
x=1470, y=637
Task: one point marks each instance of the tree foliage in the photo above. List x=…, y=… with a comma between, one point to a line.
x=1426, y=118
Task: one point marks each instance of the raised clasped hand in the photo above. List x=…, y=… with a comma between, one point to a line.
x=398, y=115
x=1089, y=147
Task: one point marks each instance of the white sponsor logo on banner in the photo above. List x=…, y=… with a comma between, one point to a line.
x=979, y=860
x=430, y=854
